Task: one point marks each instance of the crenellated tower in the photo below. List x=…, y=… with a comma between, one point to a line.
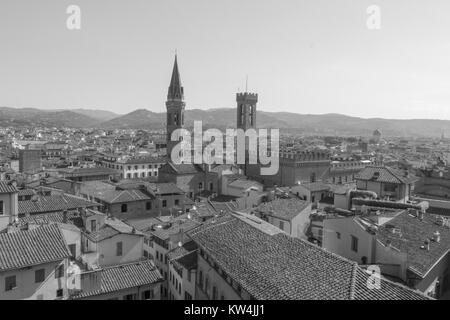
x=246, y=110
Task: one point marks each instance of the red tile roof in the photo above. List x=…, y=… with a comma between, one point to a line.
x=384, y=174
x=282, y=267
x=33, y=247
x=413, y=234
x=6, y=187
x=54, y=203
x=122, y=277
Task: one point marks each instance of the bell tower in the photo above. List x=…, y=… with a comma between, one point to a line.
x=246, y=110
x=175, y=107
x=246, y=119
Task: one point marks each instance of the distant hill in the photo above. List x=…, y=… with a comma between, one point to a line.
x=138, y=119
x=100, y=115
x=308, y=124
x=36, y=117
x=324, y=124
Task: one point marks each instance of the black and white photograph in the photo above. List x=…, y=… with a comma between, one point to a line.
x=213, y=156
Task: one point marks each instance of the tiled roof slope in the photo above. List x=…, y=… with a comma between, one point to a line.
x=122, y=196
x=6, y=187
x=384, y=174
x=282, y=267
x=73, y=218
x=283, y=208
x=122, y=277
x=414, y=233
x=54, y=203
x=33, y=247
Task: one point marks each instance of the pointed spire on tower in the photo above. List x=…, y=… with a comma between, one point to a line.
x=175, y=88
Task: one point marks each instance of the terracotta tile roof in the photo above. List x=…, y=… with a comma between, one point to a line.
x=286, y=209
x=122, y=277
x=175, y=227
x=316, y=186
x=184, y=168
x=413, y=234
x=121, y=196
x=388, y=291
x=384, y=174
x=33, y=247
x=111, y=228
x=6, y=187
x=54, y=203
x=282, y=267
x=86, y=172
x=73, y=217
x=145, y=160
x=27, y=192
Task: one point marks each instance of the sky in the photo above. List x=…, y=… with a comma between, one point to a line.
x=303, y=56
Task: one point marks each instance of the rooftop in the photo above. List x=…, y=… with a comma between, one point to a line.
x=122, y=277
x=21, y=249
x=43, y=204
x=385, y=174
x=412, y=236
x=6, y=187
x=282, y=267
x=286, y=209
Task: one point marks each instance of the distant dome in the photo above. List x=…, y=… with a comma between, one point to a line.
x=377, y=133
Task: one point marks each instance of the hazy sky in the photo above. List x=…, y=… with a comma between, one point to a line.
x=301, y=56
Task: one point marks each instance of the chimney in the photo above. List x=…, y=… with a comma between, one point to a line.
x=437, y=236
x=421, y=215
x=427, y=245
x=64, y=216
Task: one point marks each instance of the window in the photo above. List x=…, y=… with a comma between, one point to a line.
x=206, y=284
x=59, y=293
x=354, y=244
x=124, y=207
x=189, y=276
x=147, y=295
x=281, y=225
x=187, y=296
x=200, y=279
x=164, y=203
x=148, y=206
x=59, y=271
x=118, y=249
x=10, y=283
x=200, y=186
x=211, y=186
x=129, y=175
x=177, y=202
x=214, y=293
x=39, y=276
x=338, y=235
x=93, y=225
x=1, y=208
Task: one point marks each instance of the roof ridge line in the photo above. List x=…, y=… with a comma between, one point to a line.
x=353, y=283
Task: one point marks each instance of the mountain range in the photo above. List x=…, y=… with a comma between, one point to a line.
x=325, y=124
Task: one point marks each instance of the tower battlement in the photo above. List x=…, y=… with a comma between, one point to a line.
x=247, y=96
